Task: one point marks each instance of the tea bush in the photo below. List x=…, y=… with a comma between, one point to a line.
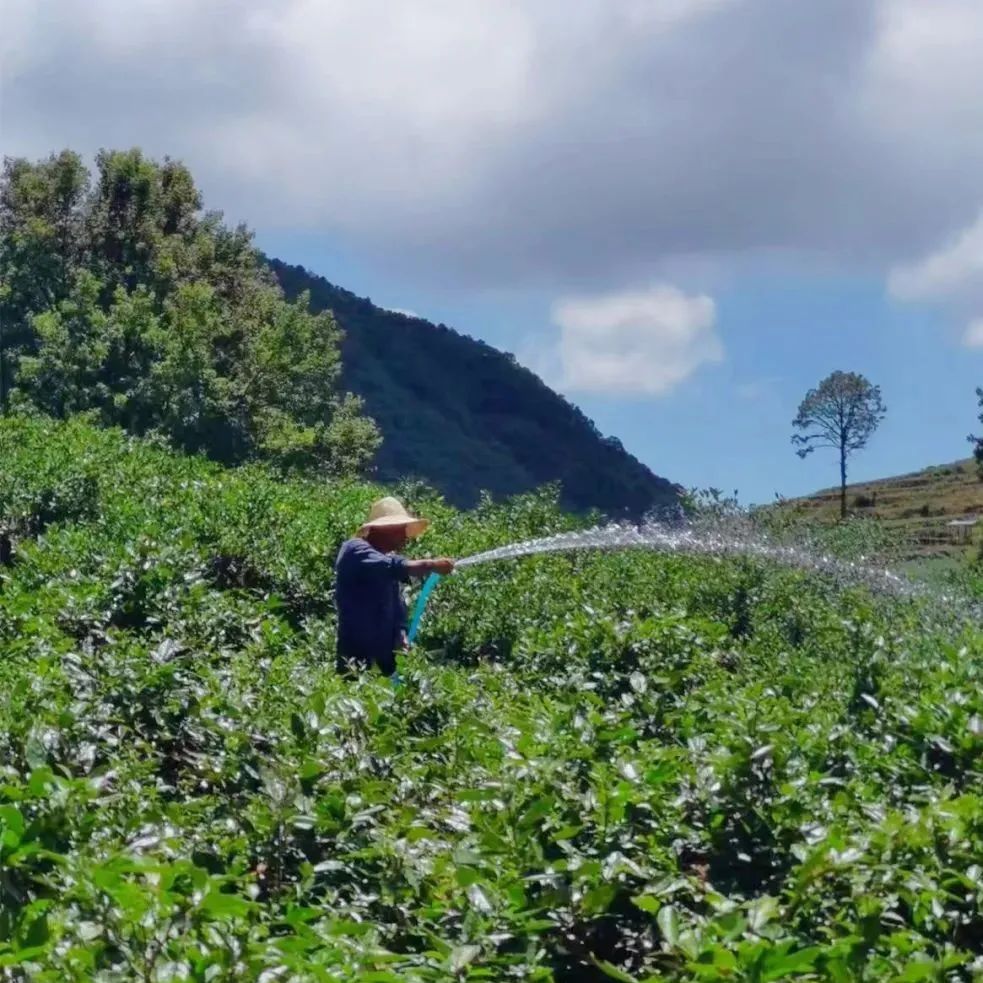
x=626, y=766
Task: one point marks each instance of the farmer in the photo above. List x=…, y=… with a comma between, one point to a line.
x=368, y=574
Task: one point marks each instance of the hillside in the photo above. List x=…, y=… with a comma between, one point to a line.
x=124, y=299
x=630, y=766
x=467, y=418
x=916, y=508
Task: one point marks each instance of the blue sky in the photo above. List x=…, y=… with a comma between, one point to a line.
x=729, y=424
x=681, y=213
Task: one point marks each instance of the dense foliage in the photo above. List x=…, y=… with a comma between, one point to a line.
x=467, y=418
x=119, y=298
x=628, y=766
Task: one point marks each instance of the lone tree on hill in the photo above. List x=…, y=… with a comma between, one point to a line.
x=841, y=414
x=978, y=441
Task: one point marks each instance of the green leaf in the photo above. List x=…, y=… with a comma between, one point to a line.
x=478, y=898
x=310, y=769
x=612, y=971
x=37, y=933
x=35, y=752
x=598, y=899
x=536, y=811
x=915, y=972
x=11, y=826
x=21, y=956
x=662, y=772
x=462, y=956
x=647, y=903
x=668, y=922
x=761, y=911
x=778, y=965
x=218, y=904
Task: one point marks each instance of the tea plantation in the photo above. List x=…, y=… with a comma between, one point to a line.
x=624, y=766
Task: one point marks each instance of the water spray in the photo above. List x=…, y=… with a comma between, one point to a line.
x=692, y=540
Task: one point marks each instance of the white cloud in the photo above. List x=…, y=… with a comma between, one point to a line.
x=952, y=276
x=544, y=143
x=955, y=268
x=974, y=334
x=642, y=342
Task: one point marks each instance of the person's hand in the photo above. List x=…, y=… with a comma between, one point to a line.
x=443, y=566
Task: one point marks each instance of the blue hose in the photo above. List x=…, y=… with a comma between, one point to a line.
x=421, y=603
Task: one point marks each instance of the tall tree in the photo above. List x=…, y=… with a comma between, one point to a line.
x=41, y=247
x=978, y=441
x=840, y=414
x=120, y=298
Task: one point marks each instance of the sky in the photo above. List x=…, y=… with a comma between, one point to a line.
x=682, y=214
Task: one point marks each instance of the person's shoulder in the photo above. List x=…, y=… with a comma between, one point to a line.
x=354, y=546
x=349, y=546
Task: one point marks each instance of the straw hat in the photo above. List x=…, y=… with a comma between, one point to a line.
x=390, y=512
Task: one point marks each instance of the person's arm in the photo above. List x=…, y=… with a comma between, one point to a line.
x=367, y=562
x=423, y=568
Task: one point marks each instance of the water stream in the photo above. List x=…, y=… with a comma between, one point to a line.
x=730, y=538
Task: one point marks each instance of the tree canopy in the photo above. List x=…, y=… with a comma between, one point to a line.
x=122, y=299
x=840, y=414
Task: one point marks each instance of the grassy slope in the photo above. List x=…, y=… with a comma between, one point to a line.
x=624, y=766
x=915, y=507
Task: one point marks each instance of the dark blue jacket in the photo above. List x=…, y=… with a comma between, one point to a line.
x=371, y=612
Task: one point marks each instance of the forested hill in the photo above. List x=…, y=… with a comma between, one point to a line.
x=465, y=417
x=125, y=300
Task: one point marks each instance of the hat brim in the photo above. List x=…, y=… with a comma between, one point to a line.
x=413, y=527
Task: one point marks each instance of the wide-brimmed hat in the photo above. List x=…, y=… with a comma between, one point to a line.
x=390, y=512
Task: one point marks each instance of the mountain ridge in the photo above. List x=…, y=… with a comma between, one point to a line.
x=468, y=418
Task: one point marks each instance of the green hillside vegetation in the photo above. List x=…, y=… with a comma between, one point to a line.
x=120, y=298
x=599, y=767
x=467, y=418
x=914, y=510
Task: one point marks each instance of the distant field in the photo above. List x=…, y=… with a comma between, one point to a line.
x=918, y=506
